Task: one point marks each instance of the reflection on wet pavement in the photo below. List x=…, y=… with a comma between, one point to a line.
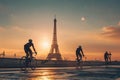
x=61, y=73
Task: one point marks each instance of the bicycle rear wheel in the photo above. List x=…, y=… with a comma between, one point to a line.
x=33, y=63
x=23, y=63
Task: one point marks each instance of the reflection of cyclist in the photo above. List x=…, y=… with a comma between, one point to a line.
x=27, y=49
x=79, y=53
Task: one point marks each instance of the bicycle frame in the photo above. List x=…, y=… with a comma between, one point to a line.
x=28, y=63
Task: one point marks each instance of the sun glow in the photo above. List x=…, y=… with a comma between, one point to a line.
x=82, y=18
x=45, y=44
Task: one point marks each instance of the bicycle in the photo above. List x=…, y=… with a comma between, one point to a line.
x=26, y=63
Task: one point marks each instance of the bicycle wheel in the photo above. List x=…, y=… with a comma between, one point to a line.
x=80, y=64
x=33, y=63
x=23, y=63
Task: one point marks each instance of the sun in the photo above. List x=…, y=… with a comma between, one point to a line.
x=82, y=18
x=45, y=44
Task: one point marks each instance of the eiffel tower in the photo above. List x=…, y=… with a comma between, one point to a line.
x=54, y=51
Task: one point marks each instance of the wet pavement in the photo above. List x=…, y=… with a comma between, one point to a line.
x=62, y=73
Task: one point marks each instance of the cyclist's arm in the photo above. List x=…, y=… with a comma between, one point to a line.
x=82, y=52
x=34, y=49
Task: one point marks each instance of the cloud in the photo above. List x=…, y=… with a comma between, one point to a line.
x=16, y=28
x=12, y=28
x=112, y=32
x=1, y=29
x=119, y=23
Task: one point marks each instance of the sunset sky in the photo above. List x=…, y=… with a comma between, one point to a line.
x=94, y=24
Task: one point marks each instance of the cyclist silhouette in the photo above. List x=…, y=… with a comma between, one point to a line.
x=106, y=56
x=28, y=50
x=79, y=53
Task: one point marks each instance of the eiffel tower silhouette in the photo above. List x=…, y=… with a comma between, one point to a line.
x=54, y=51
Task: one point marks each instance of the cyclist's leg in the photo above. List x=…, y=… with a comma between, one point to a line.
x=30, y=53
x=26, y=58
x=80, y=61
x=107, y=59
x=77, y=57
x=80, y=57
x=27, y=53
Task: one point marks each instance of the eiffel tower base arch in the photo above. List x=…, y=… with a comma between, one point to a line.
x=56, y=56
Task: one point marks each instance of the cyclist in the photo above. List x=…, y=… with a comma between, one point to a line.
x=106, y=56
x=28, y=50
x=79, y=53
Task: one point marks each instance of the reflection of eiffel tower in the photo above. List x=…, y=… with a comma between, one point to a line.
x=54, y=51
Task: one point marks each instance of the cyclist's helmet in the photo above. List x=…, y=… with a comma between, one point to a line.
x=30, y=40
x=79, y=46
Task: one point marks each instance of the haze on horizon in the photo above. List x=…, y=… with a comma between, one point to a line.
x=94, y=24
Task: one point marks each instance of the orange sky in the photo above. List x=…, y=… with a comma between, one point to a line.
x=93, y=24
x=94, y=45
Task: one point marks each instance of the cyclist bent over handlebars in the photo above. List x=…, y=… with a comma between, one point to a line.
x=79, y=53
x=28, y=50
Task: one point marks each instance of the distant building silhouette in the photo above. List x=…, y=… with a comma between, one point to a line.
x=2, y=54
x=14, y=55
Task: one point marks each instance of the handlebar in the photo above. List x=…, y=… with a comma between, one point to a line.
x=35, y=53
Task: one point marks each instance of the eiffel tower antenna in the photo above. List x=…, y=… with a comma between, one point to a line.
x=54, y=51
